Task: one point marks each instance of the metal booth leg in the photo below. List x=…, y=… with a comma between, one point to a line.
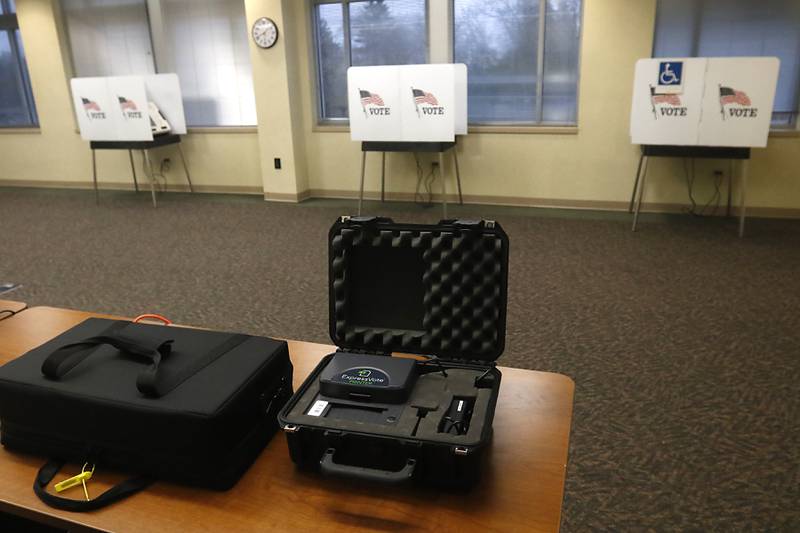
x=640, y=194
x=444, y=187
x=133, y=170
x=743, y=185
x=636, y=183
x=730, y=187
x=94, y=179
x=458, y=175
x=361, y=189
x=151, y=174
x=185, y=168
x=383, y=175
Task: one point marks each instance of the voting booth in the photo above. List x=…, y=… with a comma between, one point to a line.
x=408, y=108
x=701, y=107
x=117, y=108
x=130, y=113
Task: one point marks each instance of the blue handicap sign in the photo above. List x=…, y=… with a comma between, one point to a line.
x=670, y=72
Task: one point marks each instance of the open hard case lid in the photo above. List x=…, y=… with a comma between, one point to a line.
x=437, y=290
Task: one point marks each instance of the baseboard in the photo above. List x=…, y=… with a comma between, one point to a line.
x=551, y=203
x=121, y=186
x=287, y=197
x=508, y=201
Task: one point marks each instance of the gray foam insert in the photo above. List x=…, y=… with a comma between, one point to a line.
x=433, y=391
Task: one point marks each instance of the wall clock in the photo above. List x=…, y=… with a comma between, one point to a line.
x=265, y=32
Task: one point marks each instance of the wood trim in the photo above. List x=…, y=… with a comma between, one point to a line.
x=223, y=129
x=505, y=201
x=552, y=203
x=541, y=130
x=121, y=186
x=784, y=133
x=287, y=197
x=330, y=128
x=14, y=131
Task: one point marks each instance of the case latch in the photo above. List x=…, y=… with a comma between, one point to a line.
x=472, y=225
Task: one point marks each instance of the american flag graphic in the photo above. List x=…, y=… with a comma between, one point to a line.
x=89, y=105
x=421, y=97
x=126, y=104
x=368, y=98
x=728, y=95
x=671, y=99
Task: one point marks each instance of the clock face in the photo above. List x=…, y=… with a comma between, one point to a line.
x=265, y=32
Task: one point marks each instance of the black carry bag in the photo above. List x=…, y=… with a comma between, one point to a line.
x=169, y=403
x=434, y=290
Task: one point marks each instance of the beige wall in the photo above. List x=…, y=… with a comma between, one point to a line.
x=592, y=166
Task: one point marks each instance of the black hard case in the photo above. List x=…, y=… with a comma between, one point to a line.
x=463, y=320
x=204, y=432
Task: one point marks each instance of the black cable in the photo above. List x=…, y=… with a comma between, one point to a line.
x=9, y=311
x=426, y=182
x=716, y=196
x=690, y=185
x=434, y=360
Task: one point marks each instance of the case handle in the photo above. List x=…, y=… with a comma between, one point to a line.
x=138, y=343
x=328, y=467
x=152, y=381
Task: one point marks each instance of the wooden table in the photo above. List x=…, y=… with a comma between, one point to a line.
x=9, y=308
x=522, y=486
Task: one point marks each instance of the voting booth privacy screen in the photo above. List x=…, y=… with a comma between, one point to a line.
x=408, y=103
x=115, y=108
x=704, y=101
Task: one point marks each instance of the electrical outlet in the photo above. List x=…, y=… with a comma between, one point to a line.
x=166, y=164
x=277, y=163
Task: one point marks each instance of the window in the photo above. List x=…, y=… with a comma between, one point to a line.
x=16, y=99
x=364, y=32
x=109, y=37
x=522, y=59
x=714, y=28
x=522, y=55
x=204, y=41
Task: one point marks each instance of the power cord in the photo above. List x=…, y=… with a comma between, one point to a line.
x=424, y=181
x=715, y=197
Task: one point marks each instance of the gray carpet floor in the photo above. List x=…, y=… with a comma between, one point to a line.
x=682, y=339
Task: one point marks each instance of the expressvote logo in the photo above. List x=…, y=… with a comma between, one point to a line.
x=737, y=102
x=91, y=109
x=426, y=103
x=128, y=108
x=372, y=104
x=364, y=376
x=666, y=105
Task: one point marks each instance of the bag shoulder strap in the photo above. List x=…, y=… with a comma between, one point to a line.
x=118, y=492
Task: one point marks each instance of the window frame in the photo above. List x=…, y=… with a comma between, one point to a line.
x=10, y=23
x=445, y=23
x=342, y=123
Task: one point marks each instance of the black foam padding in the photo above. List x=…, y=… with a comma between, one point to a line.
x=422, y=289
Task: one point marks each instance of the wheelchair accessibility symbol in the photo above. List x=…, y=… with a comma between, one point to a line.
x=670, y=73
